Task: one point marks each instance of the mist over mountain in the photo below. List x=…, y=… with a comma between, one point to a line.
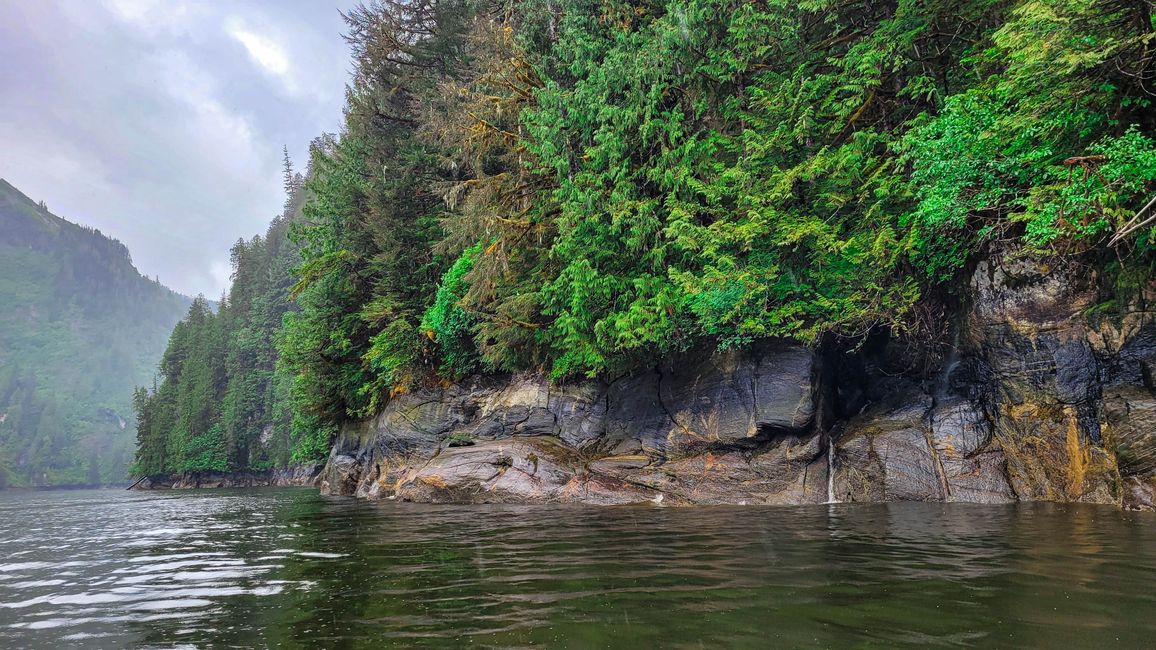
x=79, y=328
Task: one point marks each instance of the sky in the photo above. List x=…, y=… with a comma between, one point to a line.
x=161, y=122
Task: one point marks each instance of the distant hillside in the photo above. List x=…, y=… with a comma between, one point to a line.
x=79, y=328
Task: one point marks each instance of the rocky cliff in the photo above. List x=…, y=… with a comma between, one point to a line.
x=1036, y=398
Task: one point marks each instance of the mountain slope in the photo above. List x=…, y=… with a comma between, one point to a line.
x=79, y=328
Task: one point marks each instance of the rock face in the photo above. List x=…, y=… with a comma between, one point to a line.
x=1036, y=400
x=708, y=429
x=909, y=448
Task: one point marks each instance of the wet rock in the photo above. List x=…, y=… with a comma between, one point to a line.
x=1026, y=326
x=885, y=455
x=1039, y=378
x=520, y=470
x=1130, y=412
x=636, y=416
x=1139, y=493
x=974, y=470
x=791, y=471
x=1148, y=372
x=908, y=449
x=341, y=475
x=784, y=395
x=717, y=413
x=1126, y=343
x=521, y=408
x=733, y=397
x=959, y=428
x=580, y=412
x=980, y=478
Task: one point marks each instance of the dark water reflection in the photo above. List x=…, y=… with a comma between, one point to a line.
x=289, y=568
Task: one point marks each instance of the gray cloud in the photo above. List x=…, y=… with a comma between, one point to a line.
x=161, y=122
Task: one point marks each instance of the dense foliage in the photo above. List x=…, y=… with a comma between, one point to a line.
x=79, y=327
x=220, y=403
x=584, y=186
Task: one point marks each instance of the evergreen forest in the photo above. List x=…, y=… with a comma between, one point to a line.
x=584, y=187
x=79, y=327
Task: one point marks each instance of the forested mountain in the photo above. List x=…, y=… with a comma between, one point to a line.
x=79, y=327
x=584, y=187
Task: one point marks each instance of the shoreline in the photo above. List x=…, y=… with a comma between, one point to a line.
x=296, y=476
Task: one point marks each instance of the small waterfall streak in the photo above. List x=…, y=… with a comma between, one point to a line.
x=943, y=382
x=831, y=470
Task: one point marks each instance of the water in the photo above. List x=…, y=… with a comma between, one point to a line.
x=831, y=499
x=950, y=363
x=288, y=568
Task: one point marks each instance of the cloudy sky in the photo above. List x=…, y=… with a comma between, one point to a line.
x=161, y=122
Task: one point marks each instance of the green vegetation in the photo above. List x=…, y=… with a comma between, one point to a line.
x=221, y=404
x=448, y=324
x=79, y=328
x=584, y=186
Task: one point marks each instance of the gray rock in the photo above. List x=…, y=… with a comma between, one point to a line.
x=733, y=397
x=959, y=428
x=521, y=470
x=636, y=416
x=1148, y=372
x=905, y=450
x=712, y=401
x=973, y=469
x=341, y=476
x=580, y=412
x=1131, y=416
x=1039, y=379
x=784, y=395
x=791, y=471
x=884, y=454
x=591, y=439
x=910, y=471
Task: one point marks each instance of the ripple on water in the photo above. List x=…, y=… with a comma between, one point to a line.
x=289, y=568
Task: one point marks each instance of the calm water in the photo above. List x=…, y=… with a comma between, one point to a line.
x=289, y=568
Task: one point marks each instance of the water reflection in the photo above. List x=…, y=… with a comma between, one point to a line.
x=292, y=569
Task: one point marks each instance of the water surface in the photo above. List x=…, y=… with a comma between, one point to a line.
x=289, y=568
